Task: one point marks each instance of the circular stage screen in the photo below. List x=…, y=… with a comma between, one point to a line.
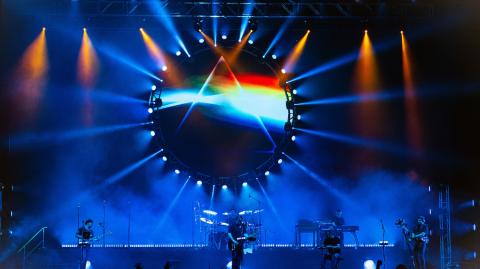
x=222, y=116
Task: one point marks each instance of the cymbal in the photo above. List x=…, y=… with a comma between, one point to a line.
x=210, y=212
x=207, y=221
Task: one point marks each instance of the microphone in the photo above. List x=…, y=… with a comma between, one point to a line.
x=383, y=227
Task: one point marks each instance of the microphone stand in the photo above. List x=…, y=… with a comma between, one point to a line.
x=383, y=245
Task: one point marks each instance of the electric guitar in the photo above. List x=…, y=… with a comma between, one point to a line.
x=240, y=240
x=409, y=235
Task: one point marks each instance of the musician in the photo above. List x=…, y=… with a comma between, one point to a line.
x=419, y=236
x=85, y=235
x=338, y=221
x=338, y=218
x=236, y=229
x=332, y=248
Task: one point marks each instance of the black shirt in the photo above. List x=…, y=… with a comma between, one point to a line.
x=237, y=229
x=339, y=221
x=85, y=233
x=332, y=241
x=421, y=228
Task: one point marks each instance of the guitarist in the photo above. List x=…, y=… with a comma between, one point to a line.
x=236, y=229
x=85, y=235
x=419, y=236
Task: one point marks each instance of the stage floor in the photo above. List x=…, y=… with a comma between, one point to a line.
x=192, y=257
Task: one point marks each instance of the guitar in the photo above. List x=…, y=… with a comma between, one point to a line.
x=83, y=242
x=409, y=235
x=240, y=240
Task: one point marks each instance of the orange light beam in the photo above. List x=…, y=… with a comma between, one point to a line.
x=414, y=136
x=31, y=76
x=210, y=42
x=369, y=116
x=153, y=49
x=87, y=63
x=232, y=57
x=293, y=57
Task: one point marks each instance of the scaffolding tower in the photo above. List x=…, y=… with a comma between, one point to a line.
x=445, y=214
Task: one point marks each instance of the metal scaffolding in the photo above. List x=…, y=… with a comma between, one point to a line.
x=444, y=206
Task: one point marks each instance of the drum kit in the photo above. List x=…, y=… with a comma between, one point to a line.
x=214, y=225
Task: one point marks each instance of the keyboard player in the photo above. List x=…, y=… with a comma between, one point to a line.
x=338, y=222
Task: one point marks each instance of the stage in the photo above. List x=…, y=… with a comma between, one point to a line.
x=280, y=257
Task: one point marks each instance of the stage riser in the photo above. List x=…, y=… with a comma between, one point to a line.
x=206, y=258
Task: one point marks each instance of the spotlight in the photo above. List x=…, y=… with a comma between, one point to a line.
x=366, y=31
x=369, y=264
x=197, y=25
x=224, y=187
x=152, y=133
x=164, y=68
x=177, y=171
x=280, y=161
x=178, y=53
x=294, y=92
x=141, y=29
x=293, y=138
x=274, y=56
x=224, y=37
x=44, y=29
x=401, y=32
x=252, y=25
x=474, y=227
x=150, y=110
x=283, y=71
x=267, y=173
x=250, y=41
x=201, y=40
x=473, y=203
x=244, y=184
x=154, y=87
x=199, y=182
x=299, y=117
x=84, y=29
x=164, y=158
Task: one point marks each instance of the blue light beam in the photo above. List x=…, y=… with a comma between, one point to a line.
x=246, y=15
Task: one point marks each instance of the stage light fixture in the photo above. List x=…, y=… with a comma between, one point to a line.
x=252, y=25
x=152, y=133
x=201, y=40
x=283, y=71
x=250, y=41
x=150, y=110
x=164, y=158
x=369, y=264
x=280, y=161
x=274, y=56
x=178, y=53
x=44, y=29
x=224, y=37
x=474, y=227
x=84, y=29
x=299, y=117
x=154, y=87
x=293, y=138
x=294, y=91
x=224, y=187
x=197, y=24
x=267, y=173
x=177, y=171
x=199, y=182
x=244, y=184
x=164, y=68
